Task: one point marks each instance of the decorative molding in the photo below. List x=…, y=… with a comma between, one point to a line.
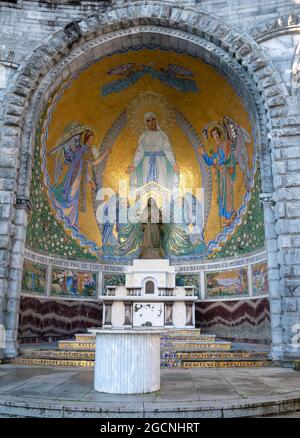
x=71, y=264
x=223, y=265
x=276, y=27
x=73, y=31
x=184, y=268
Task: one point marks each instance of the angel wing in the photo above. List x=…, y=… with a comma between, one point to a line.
x=122, y=69
x=174, y=69
x=240, y=138
x=64, y=152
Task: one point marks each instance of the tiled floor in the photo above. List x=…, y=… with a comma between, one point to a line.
x=76, y=384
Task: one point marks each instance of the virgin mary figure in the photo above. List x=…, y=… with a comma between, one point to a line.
x=154, y=160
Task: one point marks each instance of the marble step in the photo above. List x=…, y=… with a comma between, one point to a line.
x=205, y=345
x=182, y=332
x=185, y=364
x=168, y=334
x=165, y=355
x=76, y=345
x=52, y=362
x=206, y=341
x=198, y=346
x=57, y=354
x=214, y=355
x=226, y=364
x=85, y=337
x=91, y=338
x=199, y=338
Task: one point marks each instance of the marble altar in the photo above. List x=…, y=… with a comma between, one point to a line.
x=127, y=360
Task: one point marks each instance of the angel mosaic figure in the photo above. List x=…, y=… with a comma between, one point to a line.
x=75, y=150
x=224, y=158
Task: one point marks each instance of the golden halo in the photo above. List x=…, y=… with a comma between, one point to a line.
x=150, y=102
x=219, y=127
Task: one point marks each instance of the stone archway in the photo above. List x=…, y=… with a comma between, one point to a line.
x=83, y=42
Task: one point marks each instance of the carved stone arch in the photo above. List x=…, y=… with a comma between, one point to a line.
x=225, y=46
x=80, y=43
x=276, y=27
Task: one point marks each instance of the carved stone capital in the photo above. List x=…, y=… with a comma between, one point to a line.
x=24, y=203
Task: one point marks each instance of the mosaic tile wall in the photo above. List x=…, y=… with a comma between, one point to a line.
x=44, y=233
x=79, y=284
x=260, y=279
x=250, y=235
x=47, y=235
x=114, y=280
x=227, y=283
x=34, y=277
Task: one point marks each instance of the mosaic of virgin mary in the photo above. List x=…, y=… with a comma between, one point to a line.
x=154, y=160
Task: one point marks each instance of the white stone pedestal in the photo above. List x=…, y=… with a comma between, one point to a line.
x=127, y=360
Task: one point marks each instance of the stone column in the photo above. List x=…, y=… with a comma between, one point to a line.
x=168, y=313
x=189, y=313
x=107, y=308
x=275, y=288
x=285, y=310
x=15, y=277
x=128, y=313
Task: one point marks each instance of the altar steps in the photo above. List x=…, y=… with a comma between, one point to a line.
x=184, y=334
x=179, y=348
x=204, y=342
x=215, y=359
x=86, y=359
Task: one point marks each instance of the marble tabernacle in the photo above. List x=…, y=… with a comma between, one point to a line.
x=150, y=298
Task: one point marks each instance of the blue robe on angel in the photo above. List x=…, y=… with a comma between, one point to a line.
x=69, y=193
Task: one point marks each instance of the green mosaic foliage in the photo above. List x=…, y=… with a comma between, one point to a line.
x=44, y=233
x=114, y=280
x=250, y=235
